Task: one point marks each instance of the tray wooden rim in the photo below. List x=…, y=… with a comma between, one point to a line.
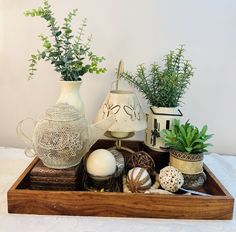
x=54, y=199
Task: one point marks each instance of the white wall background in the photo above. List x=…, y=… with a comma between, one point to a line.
x=137, y=31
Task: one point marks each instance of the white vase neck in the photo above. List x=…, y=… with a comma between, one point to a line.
x=70, y=94
x=70, y=85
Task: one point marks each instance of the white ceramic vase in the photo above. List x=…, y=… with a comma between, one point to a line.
x=159, y=118
x=70, y=93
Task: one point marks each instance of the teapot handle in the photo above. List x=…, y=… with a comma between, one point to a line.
x=29, y=149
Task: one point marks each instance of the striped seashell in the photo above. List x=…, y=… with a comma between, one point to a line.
x=138, y=180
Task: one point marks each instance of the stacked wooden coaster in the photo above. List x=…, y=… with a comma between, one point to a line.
x=42, y=177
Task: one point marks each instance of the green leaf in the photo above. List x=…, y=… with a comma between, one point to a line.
x=43, y=55
x=57, y=33
x=203, y=131
x=183, y=132
x=181, y=140
x=209, y=136
x=197, y=141
x=68, y=31
x=189, y=149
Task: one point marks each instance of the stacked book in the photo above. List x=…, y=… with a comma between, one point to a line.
x=42, y=177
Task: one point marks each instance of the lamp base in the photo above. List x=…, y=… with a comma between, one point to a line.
x=117, y=134
x=128, y=135
x=119, y=147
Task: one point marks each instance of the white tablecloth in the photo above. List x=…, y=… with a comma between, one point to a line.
x=13, y=162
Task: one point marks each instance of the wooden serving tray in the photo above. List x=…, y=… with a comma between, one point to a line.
x=22, y=200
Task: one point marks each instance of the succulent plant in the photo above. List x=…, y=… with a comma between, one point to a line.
x=186, y=137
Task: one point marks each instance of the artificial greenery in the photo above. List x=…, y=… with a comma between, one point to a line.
x=68, y=53
x=186, y=137
x=163, y=87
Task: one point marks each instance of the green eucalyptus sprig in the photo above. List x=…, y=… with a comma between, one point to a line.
x=186, y=137
x=163, y=87
x=68, y=53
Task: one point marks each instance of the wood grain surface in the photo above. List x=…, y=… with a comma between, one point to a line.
x=119, y=204
x=25, y=201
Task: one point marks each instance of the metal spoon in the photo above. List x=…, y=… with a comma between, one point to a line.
x=194, y=192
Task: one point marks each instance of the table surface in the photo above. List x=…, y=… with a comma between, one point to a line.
x=13, y=162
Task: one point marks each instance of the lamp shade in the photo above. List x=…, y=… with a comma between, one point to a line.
x=128, y=112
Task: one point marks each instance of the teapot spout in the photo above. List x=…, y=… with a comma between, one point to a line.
x=97, y=130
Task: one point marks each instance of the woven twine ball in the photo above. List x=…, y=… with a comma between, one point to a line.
x=138, y=180
x=171, y=179
x=140, y=159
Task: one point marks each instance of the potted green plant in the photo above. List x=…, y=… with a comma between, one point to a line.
x=164, y=89
x=69, y=53
x=187, y=145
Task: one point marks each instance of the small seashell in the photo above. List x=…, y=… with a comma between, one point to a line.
x=171, y=179
x=158, y=191
x=156, y=185
x=187, y=194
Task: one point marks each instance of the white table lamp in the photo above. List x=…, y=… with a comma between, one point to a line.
x=128, y=112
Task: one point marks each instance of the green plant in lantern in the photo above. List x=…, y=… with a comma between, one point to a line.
x=163, y=87
x=70, y=55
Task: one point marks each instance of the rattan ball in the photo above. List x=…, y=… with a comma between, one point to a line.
x=141, y=159
x=171, y=179
x=138, y=180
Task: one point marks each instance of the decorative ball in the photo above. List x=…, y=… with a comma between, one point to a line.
x=138, y=180
x=120, y=161
x=171, y=179
x=101, y=162
x=141, y=159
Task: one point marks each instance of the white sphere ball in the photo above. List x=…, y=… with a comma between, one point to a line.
x=101, y=162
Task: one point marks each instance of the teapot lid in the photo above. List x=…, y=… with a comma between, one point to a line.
x=62, y=112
